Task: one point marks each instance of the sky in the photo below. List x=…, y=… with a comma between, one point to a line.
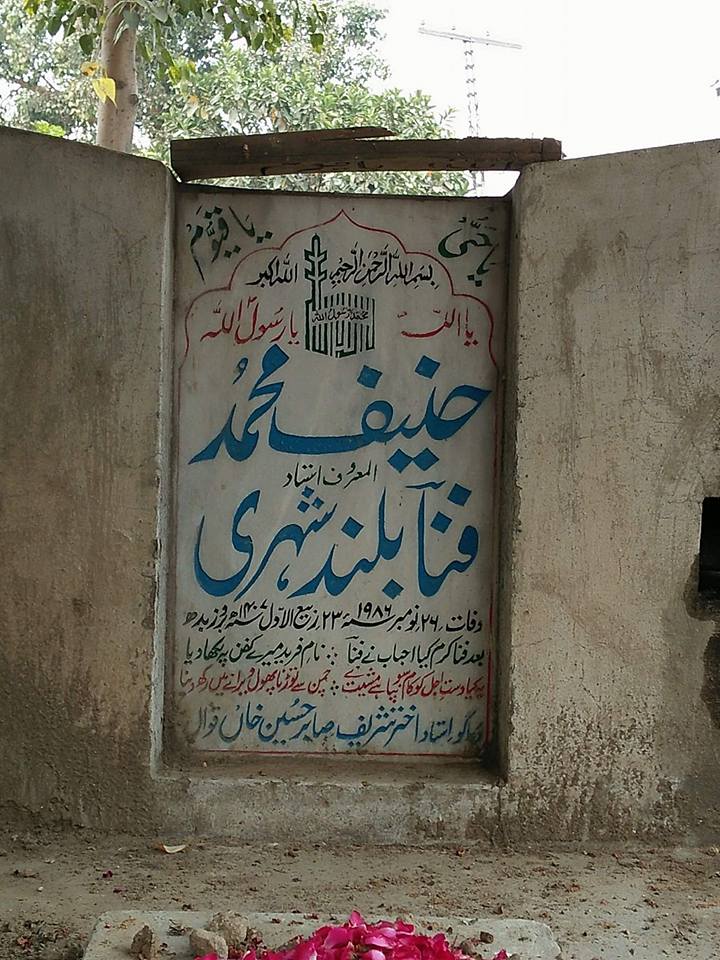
x=601, y=77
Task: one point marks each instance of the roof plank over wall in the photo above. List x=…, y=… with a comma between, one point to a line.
x=351, y=150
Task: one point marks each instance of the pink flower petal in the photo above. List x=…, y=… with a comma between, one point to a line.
x=337, y=937
x=380, y=939
x=305, y=950
x=358, y=940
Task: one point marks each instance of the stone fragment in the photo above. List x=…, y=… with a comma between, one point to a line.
x=145, y=944
x=233, y=927
x=473, y=947
x=203, y=942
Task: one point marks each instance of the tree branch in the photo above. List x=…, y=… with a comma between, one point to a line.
x=33, y=87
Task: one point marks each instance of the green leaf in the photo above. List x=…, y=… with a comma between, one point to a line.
x=131, y=18
x=316, y=41
x=87, y=44
x=49, y=129
x=157, y=11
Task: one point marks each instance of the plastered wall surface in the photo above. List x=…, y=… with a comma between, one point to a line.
x=611, y=419
x=81, y=290
x=613, y=443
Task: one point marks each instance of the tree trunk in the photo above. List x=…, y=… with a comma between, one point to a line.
x=116, y=122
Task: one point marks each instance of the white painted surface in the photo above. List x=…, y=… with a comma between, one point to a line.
x=336, y=388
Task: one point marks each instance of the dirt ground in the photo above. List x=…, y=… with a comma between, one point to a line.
x=610, y=902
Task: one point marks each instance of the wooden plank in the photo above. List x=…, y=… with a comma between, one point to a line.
x=293, y=138
x=334, y=151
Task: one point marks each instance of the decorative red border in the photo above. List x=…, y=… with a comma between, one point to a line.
x=361, y=226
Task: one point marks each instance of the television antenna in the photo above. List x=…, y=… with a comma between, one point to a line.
x=469, y=42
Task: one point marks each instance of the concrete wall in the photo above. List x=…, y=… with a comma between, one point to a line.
x=608, y=672
x=612, y=445
x=83, y=288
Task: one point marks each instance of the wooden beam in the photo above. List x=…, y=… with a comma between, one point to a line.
x=294, y=138
x=334, y=151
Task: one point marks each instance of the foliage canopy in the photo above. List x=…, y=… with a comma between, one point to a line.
x=213, y=86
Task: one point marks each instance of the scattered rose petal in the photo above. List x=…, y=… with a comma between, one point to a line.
x=359, y=940
x=337, y=937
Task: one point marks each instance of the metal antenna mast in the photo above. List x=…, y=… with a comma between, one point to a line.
x=469, y=41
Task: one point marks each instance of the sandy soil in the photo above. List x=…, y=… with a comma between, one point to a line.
x=615, y=903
